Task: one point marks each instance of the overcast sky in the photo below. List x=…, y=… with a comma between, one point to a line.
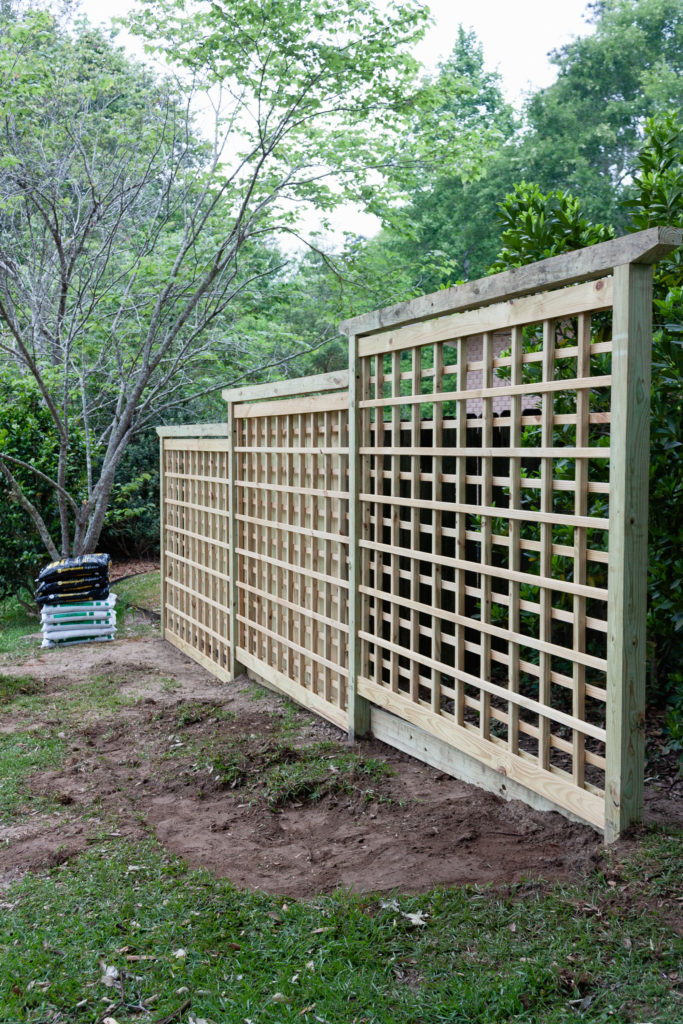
x=516, y=36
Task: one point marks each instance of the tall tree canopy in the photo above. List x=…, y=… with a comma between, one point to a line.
x=125, y=239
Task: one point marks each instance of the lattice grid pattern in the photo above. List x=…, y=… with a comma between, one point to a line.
x=195, y=531
x=292, y=510
x=484, y=537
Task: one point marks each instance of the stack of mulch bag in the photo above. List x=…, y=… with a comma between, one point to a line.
x=76, y=605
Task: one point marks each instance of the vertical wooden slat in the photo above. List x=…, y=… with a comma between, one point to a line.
x=625, y=745
x=514, y=533
x=545, y=599
x=486, y=530
x=233, y=558
x=583, y=369
x=416, y=441
x=437, y=490
x=395, y=512
x=460, y=528
x=162, y=533
x=358, y=707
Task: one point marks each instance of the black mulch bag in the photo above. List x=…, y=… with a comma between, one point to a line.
x=74, y=596
x=77, y=583
x=70, y=568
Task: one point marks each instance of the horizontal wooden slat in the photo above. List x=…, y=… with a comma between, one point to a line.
x=304, y=531
x=300, y=609
x=336, y=381
x=587, y=807
x=495, y=453
x=221, y=672
x=525, y=515
x=294, y=406
x=174, y=556
x=584, y=264
x=300, y=570
x=176, y=444
x=504, y=391
x=581, y=298
x=272, y=676
x=305, y=652
x=495, y=631
x=562, y=586
x=190, y=430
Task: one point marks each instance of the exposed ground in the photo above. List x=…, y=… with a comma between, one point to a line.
x=234, y=779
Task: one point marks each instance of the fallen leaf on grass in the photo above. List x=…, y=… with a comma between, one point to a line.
x=390, y=905
x=279, y=997
x=417, y=919
x=179, y=954
x=110, y=975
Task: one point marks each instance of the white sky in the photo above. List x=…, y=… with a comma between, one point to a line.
x=516, y=36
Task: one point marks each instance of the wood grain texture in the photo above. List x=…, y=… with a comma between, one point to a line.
x=358, y=708
x=632, y=343
x=593, y=295
x=646, y=246
x=337, y=381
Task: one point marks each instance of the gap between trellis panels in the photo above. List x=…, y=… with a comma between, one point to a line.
x=419, y=548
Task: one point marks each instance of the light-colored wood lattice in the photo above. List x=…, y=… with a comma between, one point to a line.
x=195, y=546
x=434, y=544
x=485, y=604
x=292, y=512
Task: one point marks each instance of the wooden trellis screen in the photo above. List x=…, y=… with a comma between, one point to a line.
x=452, y=553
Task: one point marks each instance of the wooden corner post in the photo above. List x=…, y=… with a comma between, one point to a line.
x=236, y=668
x=358, y=707
x=629, y=479
x=162, y=534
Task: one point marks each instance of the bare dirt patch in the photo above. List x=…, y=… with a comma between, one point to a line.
x=234, y=779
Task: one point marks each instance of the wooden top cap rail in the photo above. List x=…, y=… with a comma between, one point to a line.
x=338, y=381
x=194, y=430
x=579, y=265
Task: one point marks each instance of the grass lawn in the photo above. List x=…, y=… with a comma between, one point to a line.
x=129, y=930
x=125, y=932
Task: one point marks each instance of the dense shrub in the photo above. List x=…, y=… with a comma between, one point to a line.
x=539, y=225
x=27, y=434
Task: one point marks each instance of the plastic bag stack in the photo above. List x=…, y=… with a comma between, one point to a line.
x=76, y=604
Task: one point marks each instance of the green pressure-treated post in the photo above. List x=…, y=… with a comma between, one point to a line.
x=358, y=707
x=627, y=600
x=236, y=668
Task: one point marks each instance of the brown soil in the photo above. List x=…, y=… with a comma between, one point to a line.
x=121, y=570
x=144, y=769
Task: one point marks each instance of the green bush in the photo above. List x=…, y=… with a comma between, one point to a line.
x=540, y=224
x=27, y=434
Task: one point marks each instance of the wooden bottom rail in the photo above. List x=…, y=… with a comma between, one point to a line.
x=277, y=680
x=425, y=746
x=588, y=807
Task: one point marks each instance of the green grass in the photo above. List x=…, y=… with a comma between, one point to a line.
x=13, y=688
x=22, y=754
x=16, y=625
x=280, y=773
x=525, y=954
x=142, y=591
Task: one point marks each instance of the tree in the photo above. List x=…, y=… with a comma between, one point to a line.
x=125, y=239
x=541, y=224
x=584, y=131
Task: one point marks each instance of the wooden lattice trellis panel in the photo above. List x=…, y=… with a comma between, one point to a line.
x=291, y=468
x=435, y=543
x=195, y=548
x=484, y=541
